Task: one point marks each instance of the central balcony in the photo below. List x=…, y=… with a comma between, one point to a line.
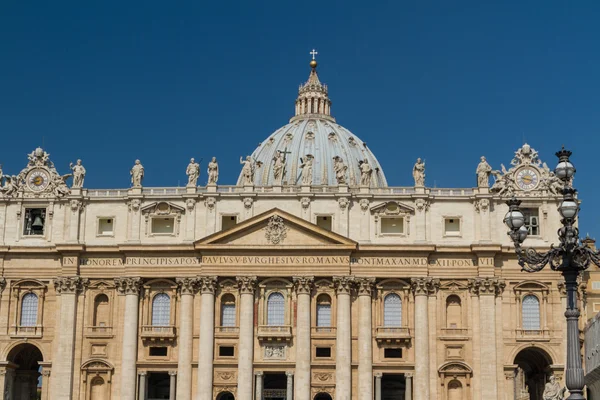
x=98, y=331
x=19, y=331
x=392, y=335
x=158, y=333
x=274, y=333
x=323, y=331
x=527, y=335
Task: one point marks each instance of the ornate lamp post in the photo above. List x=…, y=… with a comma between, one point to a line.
x=570, y=258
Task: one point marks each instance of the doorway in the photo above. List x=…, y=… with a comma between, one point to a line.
x=159, y=386
x=393, y=387
x=532, y=372
x=275, y=386
x=24, y=382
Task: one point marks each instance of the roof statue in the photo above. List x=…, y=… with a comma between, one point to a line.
x=313, y=130
x=528, y=176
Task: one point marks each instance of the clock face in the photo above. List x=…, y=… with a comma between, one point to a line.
x=38, y=180
x=527, y=178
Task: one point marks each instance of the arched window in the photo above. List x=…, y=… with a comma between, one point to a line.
x=531, y=313
x=392, y=310
x=161, y=310
x=101, y=310
x=323, y=311
x=29, y=310
x=228, y=310
x=453, y=312
x=276, y=309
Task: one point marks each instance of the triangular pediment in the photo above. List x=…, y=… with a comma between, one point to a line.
x=392, y=208
x=275, y=229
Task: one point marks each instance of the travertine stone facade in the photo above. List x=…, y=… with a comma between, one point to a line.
x=290, y=291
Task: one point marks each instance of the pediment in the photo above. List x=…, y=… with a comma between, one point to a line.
x=275, y=229
x=392, y=208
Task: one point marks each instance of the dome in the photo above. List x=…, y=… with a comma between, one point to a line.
x=314, y=133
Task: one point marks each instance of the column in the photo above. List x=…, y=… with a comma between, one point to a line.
x=66, y=288
x=433, y=363
x=408, y=391
x=142, y=389
x=303, y=286
x=246, y=286
x=476, y=380
x=208, y=285
x=172, y=384
x=343, y=362
x=365, y=338
x=186, y=287
x=510, y=385
x=130, y=288
x=378, y=386
x=499, y=339
x=289, y=388
x=421, y=288
x=259, y=385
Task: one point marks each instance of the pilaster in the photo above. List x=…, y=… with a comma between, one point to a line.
x=186, y=287
x=246, y=285
x=208, y=286
x=303, y=285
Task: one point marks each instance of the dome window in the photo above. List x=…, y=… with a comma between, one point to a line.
x=332, y=137
x=352, y=142
x=310, y=136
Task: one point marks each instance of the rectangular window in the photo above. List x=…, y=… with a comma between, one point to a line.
x=596, y=285
x=452, y=226
x=323, y=315
x=163, y=226
x=35, y=221
x=226, y=351
x=323, y=352
x=532, y=220
x=324, y=221
x=228, y=315
x=392, y=226
x=158, y=351
x=228, y=221
x=106, y=226
x=392, y=353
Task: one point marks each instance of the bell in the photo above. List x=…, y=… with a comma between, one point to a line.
x=37, y=223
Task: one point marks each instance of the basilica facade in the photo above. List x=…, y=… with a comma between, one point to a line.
x=310, y=279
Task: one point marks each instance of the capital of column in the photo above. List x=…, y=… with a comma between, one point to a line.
x=289, y=374
x=2, y=284
x=259, y=373
x=208, y=284
x=425, y=286
x=187, y=285
x=142, y=373
x=303, y=284
x=128, y=285
x=509, y=375
x=172, y=373
x=378, y=375
x=365, y=286
x=408, y=375
x=246, y=284
x=343, y=284
x=486, y=286
x=562, y=288
x=69, y=284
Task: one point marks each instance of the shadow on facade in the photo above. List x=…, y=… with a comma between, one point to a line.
x=532, y=373
x=23, y=382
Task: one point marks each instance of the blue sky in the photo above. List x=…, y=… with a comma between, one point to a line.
x=111, y=81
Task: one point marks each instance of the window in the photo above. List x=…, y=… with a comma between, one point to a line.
x=323, y=311
x=29, y=310
x=392, y=353
x=452, y=226
x=228, y=221
x=101, y=310
x=453, y=312
x=35, y=221
x=228, y=310
x=164, y=226
x=226, y=351
x=531, y=313
x=596, y=285
x=324, y=221
x=392, y=226
x=323, y=352
x=158, y=351
x=392, y=310
x=276, y=309
x=105, y=226
x=161, y=310
x=532, y=220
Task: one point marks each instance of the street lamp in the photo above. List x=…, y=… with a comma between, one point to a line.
x=570, y=258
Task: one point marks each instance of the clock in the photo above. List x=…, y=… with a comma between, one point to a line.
x=527, y=178
x=38, y=180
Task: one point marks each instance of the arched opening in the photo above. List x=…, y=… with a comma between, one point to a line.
x=392, y=310
x=323, y=311
x=531, y=313
x=161, y=310
x=453, y=312
x=228, y=317
x=276, y=309
x=533, y=368
x=24, y=383
x=98, y=390
x=101, y=310
x=322, y=396
x=455, y=390
x=29, y=310
x=225, y=396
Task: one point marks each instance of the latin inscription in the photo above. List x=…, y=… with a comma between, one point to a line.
x=131, y=261
x=275, y=260
x=390, y=261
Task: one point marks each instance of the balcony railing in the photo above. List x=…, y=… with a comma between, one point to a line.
x=455, y=331
x=27, y=331
x=227, y=331
x=532, y=334
x=158, y=333
x=98, y=331
x=274, y=332
x=324, y=331
x=391, y=334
